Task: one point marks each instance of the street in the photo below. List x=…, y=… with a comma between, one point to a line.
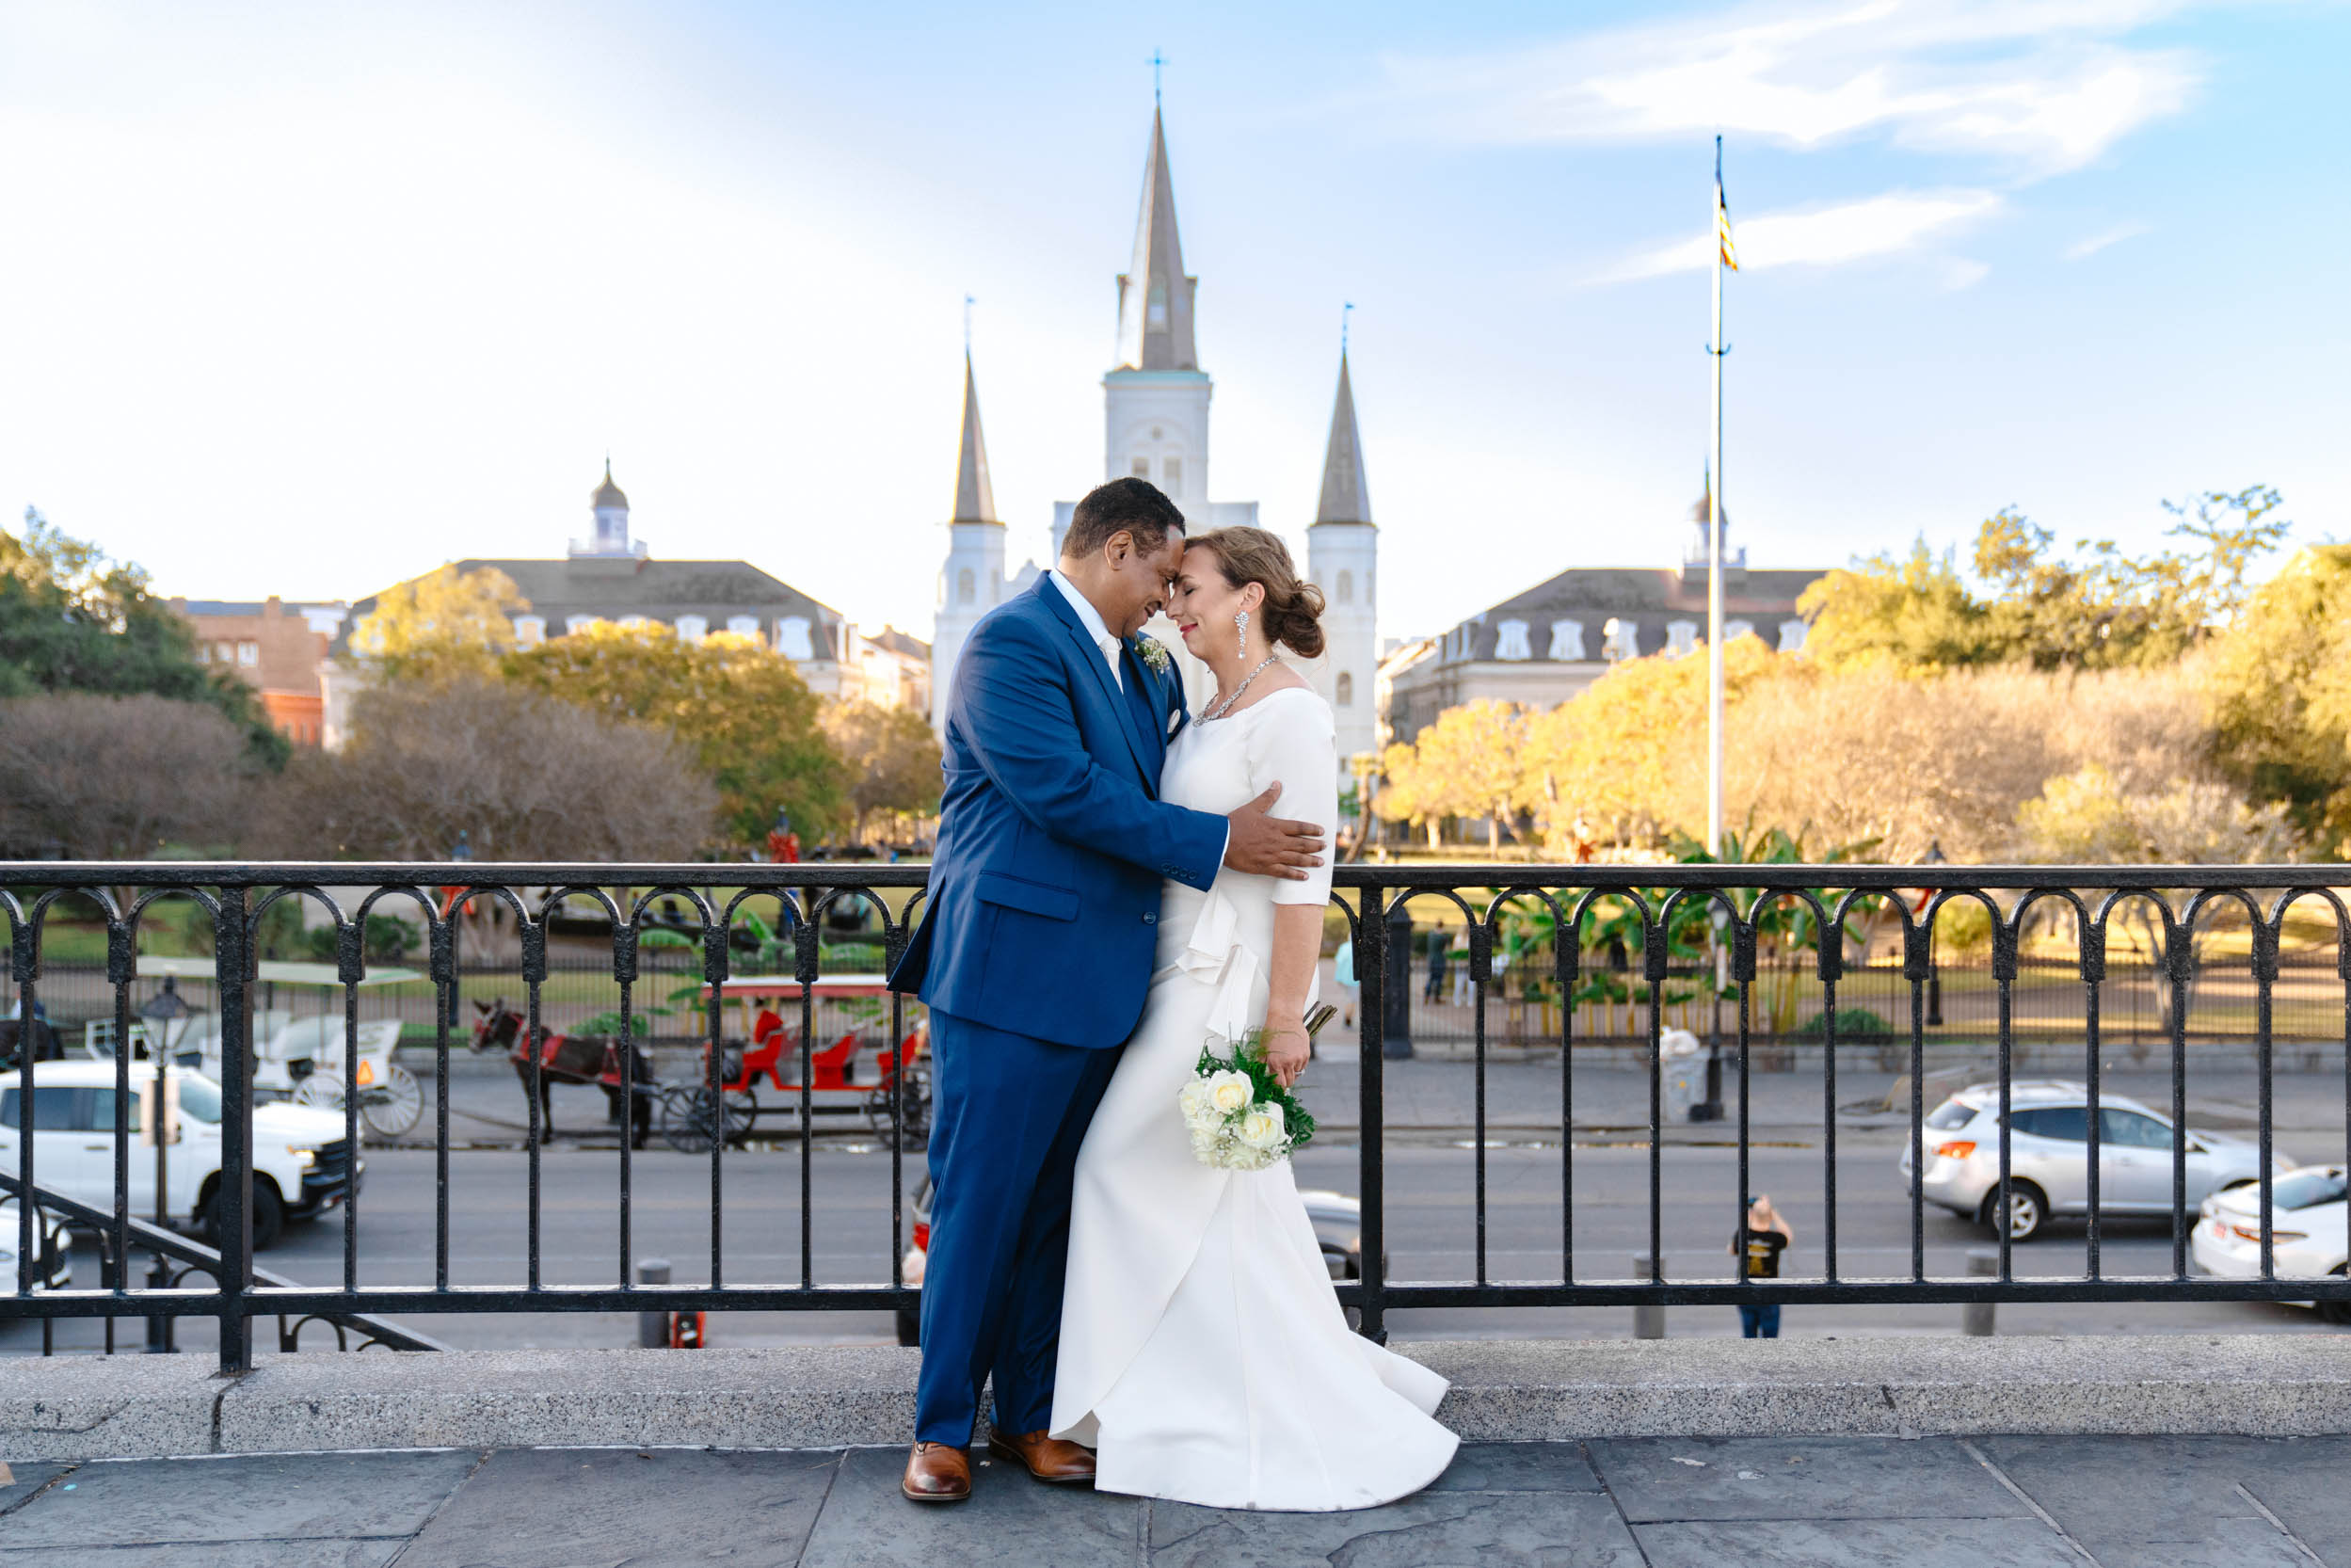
x=1430, y=1216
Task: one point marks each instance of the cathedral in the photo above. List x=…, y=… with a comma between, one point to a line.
x=1154, y=402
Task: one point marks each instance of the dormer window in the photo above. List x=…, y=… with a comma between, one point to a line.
x=573, y=625
x=1733, y=629
x=742, y=626
x=1510, y=641
x=1791, y=636
x=529, y=630
x=1621, y=639
x=791, y=638
x=692, y=629
x=1567, y=641
x=1681, y=638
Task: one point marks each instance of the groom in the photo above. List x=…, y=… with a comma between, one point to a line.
x=1035, y=953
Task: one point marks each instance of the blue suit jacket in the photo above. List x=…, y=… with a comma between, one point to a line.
x=1044, y=907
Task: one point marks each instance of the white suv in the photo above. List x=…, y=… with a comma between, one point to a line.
x=302, y=1164
x=2049, y=1156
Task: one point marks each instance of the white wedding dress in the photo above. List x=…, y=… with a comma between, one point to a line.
x=1203, y=1353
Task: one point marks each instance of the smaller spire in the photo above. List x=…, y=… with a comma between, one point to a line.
x=975, y=499
x=1346, y=495
x=608, y=493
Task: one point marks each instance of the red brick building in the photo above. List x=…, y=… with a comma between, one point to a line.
x=275, y=649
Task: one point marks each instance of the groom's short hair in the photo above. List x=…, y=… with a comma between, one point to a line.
x=1135, y=506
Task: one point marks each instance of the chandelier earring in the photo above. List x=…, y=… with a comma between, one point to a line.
x=1241, y=640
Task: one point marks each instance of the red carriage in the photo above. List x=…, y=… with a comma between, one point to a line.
x=855, y=1068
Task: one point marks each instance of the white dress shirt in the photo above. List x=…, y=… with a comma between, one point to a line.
x=1090, y=620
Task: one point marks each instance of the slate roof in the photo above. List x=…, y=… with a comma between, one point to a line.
x=615, y=588
x=1647, y=597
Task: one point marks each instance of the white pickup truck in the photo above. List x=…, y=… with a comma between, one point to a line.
x=302, y=1165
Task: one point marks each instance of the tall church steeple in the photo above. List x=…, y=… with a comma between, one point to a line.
x=975, y=499
x=1154, y=296
x=1346, y=496
x=1343, y=559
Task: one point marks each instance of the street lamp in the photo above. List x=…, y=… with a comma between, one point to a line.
x=166, y=1014
x=1710, y=1108
x=1934, y=976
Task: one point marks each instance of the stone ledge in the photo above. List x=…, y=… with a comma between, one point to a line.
x=805, y=1397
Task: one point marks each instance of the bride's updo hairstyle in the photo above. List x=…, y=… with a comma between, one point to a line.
x=1292, y=612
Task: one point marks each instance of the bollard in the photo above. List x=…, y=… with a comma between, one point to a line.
x=1648, y=1320
x=1976, y=1318
x=652, y=1327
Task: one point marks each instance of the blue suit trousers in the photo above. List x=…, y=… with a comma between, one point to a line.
x=1009, y=1113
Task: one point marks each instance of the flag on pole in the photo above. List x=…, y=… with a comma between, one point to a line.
x=1722, y=215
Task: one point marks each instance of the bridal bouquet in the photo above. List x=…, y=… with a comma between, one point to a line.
x=1240, y=1116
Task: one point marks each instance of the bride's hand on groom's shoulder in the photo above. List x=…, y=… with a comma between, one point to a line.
x=1261, y=844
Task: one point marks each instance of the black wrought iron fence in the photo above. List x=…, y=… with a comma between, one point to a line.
x=1741, y=922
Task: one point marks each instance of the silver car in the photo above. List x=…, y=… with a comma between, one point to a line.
x=2049, y=1156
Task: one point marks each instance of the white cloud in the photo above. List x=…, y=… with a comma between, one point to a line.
x=1822, y=236
x=2083, y=248
x=2047, y=84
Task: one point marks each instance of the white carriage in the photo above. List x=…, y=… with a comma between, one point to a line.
x=296, y=1057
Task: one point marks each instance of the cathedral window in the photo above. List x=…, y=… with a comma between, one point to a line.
x=966, y=586
x=1154, y=312
x=1791, y=636
x=1733, y=629
x=1509, y=641
x=1567, y=640
x=1143, y=467
x=529, y=630
x=791, y=638
x=1346, y=690
x=742, y=626
x=692, y=629
x=1346, y=586
x=1681, y=636
x=1173, y=469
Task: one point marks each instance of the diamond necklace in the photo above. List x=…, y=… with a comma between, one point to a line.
x=1220, y=710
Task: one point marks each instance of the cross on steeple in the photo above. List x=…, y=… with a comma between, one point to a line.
x=966, y=325
x=1344, y=311
x=1158, y=60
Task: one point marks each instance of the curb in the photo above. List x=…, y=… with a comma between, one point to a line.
x=811, y=1396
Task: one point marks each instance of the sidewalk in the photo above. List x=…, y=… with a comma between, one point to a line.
x=1821, y=1502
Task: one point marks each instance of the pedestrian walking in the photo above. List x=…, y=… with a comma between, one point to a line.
x=1440, y=948
x=1766, y=1235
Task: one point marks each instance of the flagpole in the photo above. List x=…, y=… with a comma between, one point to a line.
x=1714, y=544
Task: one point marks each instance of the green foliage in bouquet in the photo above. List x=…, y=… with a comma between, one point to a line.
x=1266, y=1089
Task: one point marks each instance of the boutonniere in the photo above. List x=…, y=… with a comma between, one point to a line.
x=1149, y=650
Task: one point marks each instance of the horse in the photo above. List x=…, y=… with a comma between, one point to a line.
x=567, y=1059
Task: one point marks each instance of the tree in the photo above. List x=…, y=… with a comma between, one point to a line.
x=444, y=623
x=73, y=619
x=892, y=758
x=1629, y=750
x=739, y=708
x=2280, y=689
x=1912, y=615
x=1469, y=767
x=85, y=776
x=1407, y=793
x=524, y=776
x=2098, y=610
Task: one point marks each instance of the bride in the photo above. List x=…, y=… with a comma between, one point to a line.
x=1202, y=1352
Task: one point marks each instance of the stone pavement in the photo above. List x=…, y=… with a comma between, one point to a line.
x=1820, y=1502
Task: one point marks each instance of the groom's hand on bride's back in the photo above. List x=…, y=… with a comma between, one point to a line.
x=1265, y=845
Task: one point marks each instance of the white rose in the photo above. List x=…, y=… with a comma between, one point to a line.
x=1261, y=1127
x=1230, y=1091
x=1193, y=1098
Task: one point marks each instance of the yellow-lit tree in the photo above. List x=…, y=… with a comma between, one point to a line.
x=739, y=707
x=442, y=624
x=892, y=758
x=1464, y=765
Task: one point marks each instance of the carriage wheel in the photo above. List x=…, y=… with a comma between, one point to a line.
x=391, y=1113
x=691, y=1117
x=321, y=1092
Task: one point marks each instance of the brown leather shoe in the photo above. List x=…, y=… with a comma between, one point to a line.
x=1051, y=1460
x=936, y=1473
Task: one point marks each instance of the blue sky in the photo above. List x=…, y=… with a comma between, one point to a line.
x=307, y=298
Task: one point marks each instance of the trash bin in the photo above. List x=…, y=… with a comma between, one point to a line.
x=1681, y=1060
